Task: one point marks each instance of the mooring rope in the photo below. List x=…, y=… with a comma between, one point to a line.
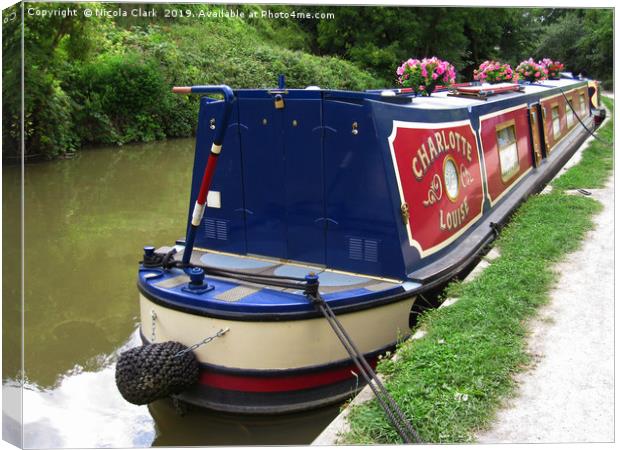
x=590, y=132
x=386, y=401
x=167, y=262
x=310, y=286
x=595, y=136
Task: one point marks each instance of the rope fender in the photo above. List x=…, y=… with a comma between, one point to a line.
x=154, y=371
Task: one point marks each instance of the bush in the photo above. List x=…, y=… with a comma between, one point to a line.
x=48, y=121
x=121, y=96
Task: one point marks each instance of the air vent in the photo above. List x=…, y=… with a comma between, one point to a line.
x=216, y=229
x=356, y=249
x=371, y=250
x=363, y=249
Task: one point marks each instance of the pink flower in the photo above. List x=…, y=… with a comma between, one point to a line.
x=537, y=74
x=435, y=76
x=400, y=70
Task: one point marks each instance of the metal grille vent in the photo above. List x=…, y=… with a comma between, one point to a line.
x=363, y=249
x=356, y=249
x=371, y=250
x=216, y=229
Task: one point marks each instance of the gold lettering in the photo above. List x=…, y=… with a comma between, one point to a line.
x=431, y=149
x=435, y=145
x=423, y=155
x=440, y=146
x=416, y=170
x=451, y=220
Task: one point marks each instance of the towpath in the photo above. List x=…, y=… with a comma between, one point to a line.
x=568, y=394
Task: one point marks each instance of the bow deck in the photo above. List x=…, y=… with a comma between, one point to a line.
x=236, y=299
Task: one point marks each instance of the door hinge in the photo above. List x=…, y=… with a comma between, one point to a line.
x=404, y=213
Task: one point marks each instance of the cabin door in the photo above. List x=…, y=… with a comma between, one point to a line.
x=535, y=118
x=282, y=157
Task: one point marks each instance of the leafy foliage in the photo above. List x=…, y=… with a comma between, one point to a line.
x=107, y=80
x=121, y=97
x=582, y=39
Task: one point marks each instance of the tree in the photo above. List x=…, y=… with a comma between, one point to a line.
x=582, y=40
x=380, y=38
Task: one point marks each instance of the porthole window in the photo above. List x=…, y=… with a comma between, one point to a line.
x=508, y=152
x=451, y=178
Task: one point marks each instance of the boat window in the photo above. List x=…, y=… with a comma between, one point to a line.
x=555, y=117
x=507, y=147
x=582, y=103
x=570, y=116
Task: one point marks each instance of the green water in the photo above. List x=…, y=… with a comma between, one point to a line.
x=86, y=221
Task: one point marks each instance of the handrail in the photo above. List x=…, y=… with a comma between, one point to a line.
x=229, y=97
x=216, y=149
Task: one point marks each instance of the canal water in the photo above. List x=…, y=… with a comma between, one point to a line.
x=86, y=221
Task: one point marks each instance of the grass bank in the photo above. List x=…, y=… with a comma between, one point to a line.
x=451, y=382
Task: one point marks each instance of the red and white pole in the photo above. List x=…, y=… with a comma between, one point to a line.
x=216, y=149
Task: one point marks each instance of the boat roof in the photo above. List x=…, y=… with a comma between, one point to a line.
x=443, y=99
x=439, y=100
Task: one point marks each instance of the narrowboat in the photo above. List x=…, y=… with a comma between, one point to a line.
x=380, y=195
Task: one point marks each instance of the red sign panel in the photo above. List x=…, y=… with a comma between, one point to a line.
x=440, y=181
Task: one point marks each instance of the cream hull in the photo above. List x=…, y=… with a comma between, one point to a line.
x=277, y=345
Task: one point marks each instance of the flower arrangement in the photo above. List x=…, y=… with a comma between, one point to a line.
x=530, y=70
x=424, y=75
x=553, y=68
x=493, y=72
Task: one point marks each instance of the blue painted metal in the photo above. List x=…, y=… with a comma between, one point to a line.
x=314, y=181
x=282, y=176
x=263, y=173
x=312, y=278
x=222, y=228
x=229, y=98
x=220, y=132
x=196, y=276
x=264, y=301
x=362, y=232
x=196, y=285
x=302, y=181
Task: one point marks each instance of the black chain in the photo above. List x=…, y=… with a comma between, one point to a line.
x=206, y=340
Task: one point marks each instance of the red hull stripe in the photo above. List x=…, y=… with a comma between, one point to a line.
x=277, y=383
